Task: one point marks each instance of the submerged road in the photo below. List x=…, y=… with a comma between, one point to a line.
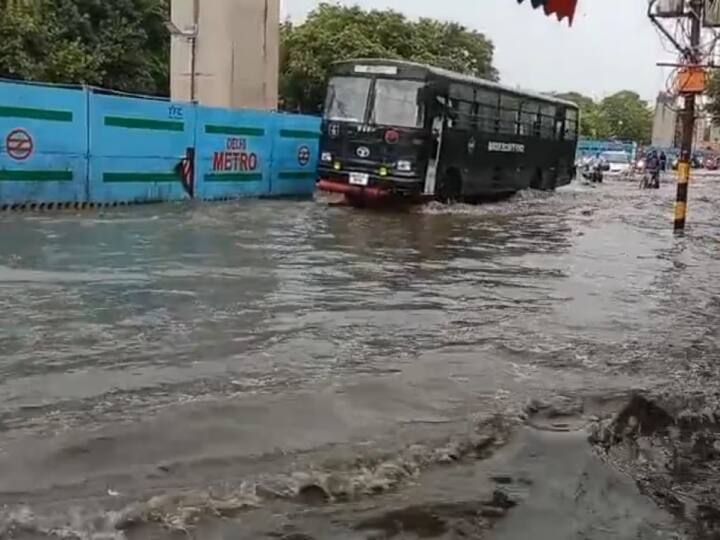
x=276, y=369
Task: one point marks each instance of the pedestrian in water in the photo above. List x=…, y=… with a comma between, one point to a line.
x=663, y=162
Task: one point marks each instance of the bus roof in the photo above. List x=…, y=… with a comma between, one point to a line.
x=441, y=73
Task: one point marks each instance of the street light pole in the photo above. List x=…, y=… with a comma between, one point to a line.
x=193, y=48
x=190, y=34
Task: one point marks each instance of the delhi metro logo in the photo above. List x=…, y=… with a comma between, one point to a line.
x=19, y=144
x=303, y=155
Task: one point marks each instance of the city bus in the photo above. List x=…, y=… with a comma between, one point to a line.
x=404, y=130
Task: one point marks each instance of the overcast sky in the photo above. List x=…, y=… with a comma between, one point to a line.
x=611, y=46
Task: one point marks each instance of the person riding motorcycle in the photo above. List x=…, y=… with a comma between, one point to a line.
x=592, y=170
x=652, y=166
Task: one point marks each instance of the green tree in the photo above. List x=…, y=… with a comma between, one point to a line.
x=628, y=117
x=592, y=121
x=122, y=44
x=620, y=116
x=333, y=32
x=127, y=37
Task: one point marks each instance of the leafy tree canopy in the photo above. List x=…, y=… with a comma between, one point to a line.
x=122, y=44
x=333, y=32
x=623, y=115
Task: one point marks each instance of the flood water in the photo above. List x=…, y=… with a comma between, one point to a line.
x=284, y=369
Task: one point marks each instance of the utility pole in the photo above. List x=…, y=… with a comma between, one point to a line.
x=690, y=83
x=688, y=122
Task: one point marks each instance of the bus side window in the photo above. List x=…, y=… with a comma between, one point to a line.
x=462, y=97
x=461, y=92
x=571, y=121
x=529, y=117
x=464, y=115
x=475, y=121
x=547, y=121
x=487, y=110
x=509, y=114
x=560, y=124
x=453, y=110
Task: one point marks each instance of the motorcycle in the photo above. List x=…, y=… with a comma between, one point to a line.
x=592, y=172
x=650, y=180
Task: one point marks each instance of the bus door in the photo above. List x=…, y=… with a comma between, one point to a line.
x=438, y=125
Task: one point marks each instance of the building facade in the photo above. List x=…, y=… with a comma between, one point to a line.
x=707, y=134
x=225, y=53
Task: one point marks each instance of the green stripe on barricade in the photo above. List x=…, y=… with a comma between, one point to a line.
x=36, y=114
x=36, y=176
x=296, y=175
x=144, y=123
x=298, y=134
x=234, y=177
x=214, y=129
x=126, y=177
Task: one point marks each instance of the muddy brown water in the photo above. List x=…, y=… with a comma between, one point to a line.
x=284, y=369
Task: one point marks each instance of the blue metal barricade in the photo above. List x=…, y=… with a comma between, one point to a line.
x=136, y=146
x=43, y=144
x=295, y=155
x=234, y=150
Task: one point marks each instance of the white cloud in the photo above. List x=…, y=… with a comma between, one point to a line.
x=611, y=46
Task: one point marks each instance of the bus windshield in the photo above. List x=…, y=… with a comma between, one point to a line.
x=347, y=98
x=396, y=103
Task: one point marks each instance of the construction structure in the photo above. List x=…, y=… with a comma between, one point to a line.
x=225, y=53
x=665, y=122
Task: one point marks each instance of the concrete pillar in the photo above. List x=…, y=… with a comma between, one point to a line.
x=236, y=52
x=665, y=121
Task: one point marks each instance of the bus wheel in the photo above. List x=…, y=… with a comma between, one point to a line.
x=450, y=187
x=537, y=180
x=550, y=181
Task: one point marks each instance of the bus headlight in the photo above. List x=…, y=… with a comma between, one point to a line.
x=326, y=157
x=404, y=166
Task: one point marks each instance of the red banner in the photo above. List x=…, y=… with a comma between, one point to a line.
x=559, y=8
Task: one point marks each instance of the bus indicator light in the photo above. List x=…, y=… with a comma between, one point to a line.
x=392, y=136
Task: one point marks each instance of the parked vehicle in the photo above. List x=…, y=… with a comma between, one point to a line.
x=696, y=162
x=617, y=162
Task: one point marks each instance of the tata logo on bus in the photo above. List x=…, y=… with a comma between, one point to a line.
x=235, y=157
x=510, y=148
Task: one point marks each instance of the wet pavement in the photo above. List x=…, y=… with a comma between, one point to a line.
x=280, y=369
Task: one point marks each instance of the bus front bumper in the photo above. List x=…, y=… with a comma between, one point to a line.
x=333, y=186
x=377, y=186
